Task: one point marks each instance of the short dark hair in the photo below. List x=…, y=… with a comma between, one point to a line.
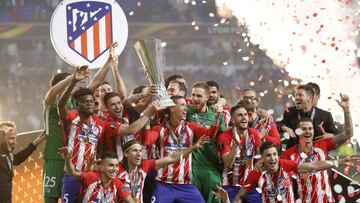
x=81, y=92
x=108, y=155
x=266, y=145
x=138, y=89
x=304, y=119
x=307, y=88
x=176, y=98
x=110, y=95
x=171, y=78
x=58, y=77
x=212, y=83
x=105, y=83
x=315, y=86
x=236, y=107
x=249, y=106
x=182, y=86
x=201, y=85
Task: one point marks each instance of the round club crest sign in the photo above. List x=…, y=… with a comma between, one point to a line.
x=82, y=31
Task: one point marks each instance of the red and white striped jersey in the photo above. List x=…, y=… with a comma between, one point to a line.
x=243, y=163
x=82, y=137
x=135, y=183
x=169, y=143
x=313, y=186
x=272, y=185
x=270, y=130
x=94, y=191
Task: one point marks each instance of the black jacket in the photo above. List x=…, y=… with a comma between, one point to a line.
x=323, y=122
x=6, y=172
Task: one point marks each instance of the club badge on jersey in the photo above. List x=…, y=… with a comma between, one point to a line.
x=83, y=31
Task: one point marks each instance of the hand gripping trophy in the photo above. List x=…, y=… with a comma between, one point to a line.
x=150, y=54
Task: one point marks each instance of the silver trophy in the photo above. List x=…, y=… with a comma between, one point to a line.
x=150, y=54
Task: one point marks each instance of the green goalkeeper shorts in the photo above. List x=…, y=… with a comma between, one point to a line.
x=206, y=181
x=53, y=172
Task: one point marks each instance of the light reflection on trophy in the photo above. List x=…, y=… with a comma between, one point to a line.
x=150, y=54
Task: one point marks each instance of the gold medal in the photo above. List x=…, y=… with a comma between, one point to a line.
x=248, y=162
x=85, y=139
x=305, y=176
x=134, y=198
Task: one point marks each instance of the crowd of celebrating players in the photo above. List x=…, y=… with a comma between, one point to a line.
x=105, y=145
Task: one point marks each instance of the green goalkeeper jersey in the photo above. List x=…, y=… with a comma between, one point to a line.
x=206, y=157
x=53, y=129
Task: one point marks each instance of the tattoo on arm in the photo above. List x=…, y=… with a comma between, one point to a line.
x=340, y=139
x=348, y=125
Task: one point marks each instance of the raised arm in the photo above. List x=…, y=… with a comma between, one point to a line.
x=341, y=138
x=147, y=98
x=229, y=157
x=22, y=155
x=132, y=99
x=66, y=155
x=203, y=131
x=81, y=73
x=273, y=135
x=51, y=94
x=150, y=136
x=101, y=74
x=119, y=83
x=178, y=155
x=139, y=123
x=306, y=167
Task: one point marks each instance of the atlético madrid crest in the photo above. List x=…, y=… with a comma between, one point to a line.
x=82, y=31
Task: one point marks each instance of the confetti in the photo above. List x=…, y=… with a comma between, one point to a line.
x=338, y=188
x=311, y=55
x=298, y=132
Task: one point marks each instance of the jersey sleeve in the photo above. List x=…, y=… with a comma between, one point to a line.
x=148, y=165
x=122, y=192
x=71, y=115
x=287, y=154
x=87, y=178
x=273, y=135
x=289, y=165
x=223, y=143
x=256, y=136
x=202, y=131
x=252, y=180
x=329, y=144
x=150, y=136
x=111, y=128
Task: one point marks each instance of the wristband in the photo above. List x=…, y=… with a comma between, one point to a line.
x=336, y=163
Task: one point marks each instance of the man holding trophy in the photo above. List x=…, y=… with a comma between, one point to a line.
x=171, y=179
